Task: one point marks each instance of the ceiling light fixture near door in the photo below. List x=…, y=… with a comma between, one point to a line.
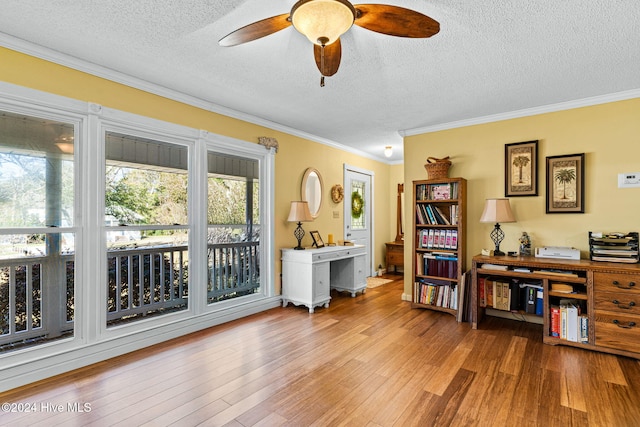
x=324, y=21
x=388, y=151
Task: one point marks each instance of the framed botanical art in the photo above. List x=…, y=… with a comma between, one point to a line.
x=317, y=240
x=565, y=184
x=521, y=169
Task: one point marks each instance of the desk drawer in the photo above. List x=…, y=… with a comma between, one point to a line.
x=618, y=331
x=343, y=253
x=617, y=282
x=625, y=303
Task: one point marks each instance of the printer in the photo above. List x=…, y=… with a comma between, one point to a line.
x=561, y=252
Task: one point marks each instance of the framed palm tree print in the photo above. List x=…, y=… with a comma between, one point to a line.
x=521, y=169
x=565, y=184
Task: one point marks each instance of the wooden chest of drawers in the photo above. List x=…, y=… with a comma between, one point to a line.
x=617, y=310
x=395, y=255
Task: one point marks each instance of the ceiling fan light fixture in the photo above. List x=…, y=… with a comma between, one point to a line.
x=322, y=21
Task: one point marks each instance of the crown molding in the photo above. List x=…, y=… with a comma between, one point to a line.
x=551, y=108
x=72, y=62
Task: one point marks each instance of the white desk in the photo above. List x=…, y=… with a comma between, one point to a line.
x=308, y=275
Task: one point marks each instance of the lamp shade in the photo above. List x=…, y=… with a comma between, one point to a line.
x=497, y=210
x=299, y=212
x=322, y=21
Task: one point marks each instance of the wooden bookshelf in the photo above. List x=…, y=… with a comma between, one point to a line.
x=607, y=295
x=438, y=260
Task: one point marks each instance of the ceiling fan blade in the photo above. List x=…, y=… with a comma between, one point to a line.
x=256, y=30
x=328, y=65
x=395, y=21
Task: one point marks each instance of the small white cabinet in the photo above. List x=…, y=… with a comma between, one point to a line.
x=308, y=275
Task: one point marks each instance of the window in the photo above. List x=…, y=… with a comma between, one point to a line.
x=233, y=216
x=103, y=246
x=147, y=227
x=37, y=239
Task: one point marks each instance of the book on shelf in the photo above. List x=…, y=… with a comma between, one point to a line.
x=482, y=296
x=561, y=287
x=437, y=191
x=440, y=191
x=529, y=293
x=437, y=264
x=554, y=322
x=437, y=293
x=539, y=302
x=584, y=329
x=501, y=296
x=432, y=236
x=453, y=214
x=573, y=327
x=447, y=239
x=442, y=218
x=551, y=272
x=514, y=296
x=570, y=320
x=488, y=266
x=430, y=214
x=487, y=291
x=530, y=299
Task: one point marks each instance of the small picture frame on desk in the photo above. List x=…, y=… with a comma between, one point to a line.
x=317, y=240
x=565, y=184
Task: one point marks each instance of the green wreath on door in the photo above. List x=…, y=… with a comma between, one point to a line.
x=357, y=205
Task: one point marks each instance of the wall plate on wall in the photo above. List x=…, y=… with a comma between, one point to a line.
x=628, y=180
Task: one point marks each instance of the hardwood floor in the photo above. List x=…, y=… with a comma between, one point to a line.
x=366, y=361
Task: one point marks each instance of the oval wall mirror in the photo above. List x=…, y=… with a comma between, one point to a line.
x=311, y=190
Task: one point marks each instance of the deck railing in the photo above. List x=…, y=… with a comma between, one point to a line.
x=37, y=295
x=30, y=308
x=146, y=281
x=234, y=270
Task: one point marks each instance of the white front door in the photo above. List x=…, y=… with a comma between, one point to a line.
x=358, y=208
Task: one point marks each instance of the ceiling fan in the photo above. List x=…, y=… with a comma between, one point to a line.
x=324, y=21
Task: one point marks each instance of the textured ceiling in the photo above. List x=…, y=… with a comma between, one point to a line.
x=491, y=57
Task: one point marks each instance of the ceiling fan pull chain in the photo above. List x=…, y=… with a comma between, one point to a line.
x=323, y=42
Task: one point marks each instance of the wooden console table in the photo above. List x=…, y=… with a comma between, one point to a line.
x=394, y=256
x=309, y=275
x=608, y=293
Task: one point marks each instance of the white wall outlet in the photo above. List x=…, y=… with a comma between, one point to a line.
x=628, y=180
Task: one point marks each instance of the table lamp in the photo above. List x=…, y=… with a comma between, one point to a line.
x=497, y=210
x=299, y=213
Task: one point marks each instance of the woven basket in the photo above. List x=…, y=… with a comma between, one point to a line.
x=437, y=168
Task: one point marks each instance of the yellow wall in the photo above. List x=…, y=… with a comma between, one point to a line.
x=294, y=156
x=608, y=134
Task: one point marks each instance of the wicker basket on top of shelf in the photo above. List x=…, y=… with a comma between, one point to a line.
x=437, y=168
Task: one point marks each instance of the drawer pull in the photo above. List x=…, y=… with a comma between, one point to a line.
x=618, y=285
x=627, y=326
x=623, y=306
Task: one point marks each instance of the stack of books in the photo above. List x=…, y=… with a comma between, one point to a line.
x=569, y=321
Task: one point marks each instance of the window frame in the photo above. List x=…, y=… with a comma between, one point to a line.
x=92, y=340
